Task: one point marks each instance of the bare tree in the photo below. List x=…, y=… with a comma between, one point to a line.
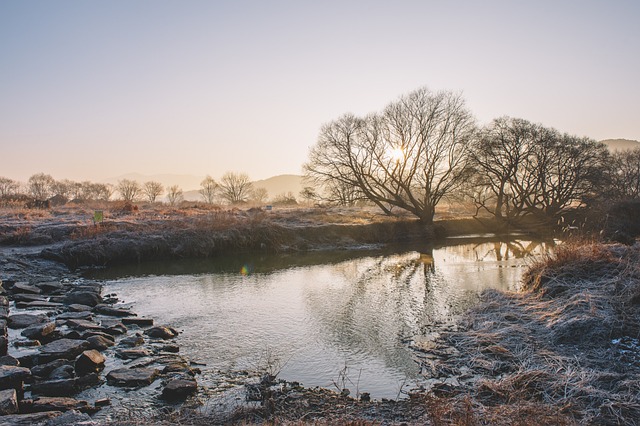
x=209, y=189
x=129, y=189
x=409, y=156
x=8, y=187
x=174, y=195
x=40, y=186
x=625, y=174
x=259, y=195
x=235, y=187
x=152, y=190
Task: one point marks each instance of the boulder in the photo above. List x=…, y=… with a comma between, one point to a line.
x=81, y=297
x=179, y=388
x=42, y=404
x=30, y=419
x=99, y=342
x=45, y=370
x=29, y=298
x=80, y=315
x=12, y=377
x=132, y=377
x=23, y=287
x=59, y=387
x=133, y=353
x=131, y=341
x=161, y=332
x=8, y=402
x=63, y=348
x=113, y=327
x=62, y=372
x=39, y=331
x=90, y=361
x=51, y=287
x=9, y=360
x=16, y=321
x=140, y=322
x=113, y=312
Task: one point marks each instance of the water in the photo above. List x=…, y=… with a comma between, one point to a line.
x=331, y=319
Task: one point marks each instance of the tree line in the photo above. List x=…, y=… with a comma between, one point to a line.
x=426, y=146
x=233, y=188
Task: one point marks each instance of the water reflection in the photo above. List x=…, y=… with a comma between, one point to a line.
x=322, y=311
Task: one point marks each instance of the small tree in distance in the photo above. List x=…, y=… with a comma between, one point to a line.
x=235, y=187
x=260, y=195
x=128, y=189
x=152, y=190
x=174, y=195
x=208, y=189
x=8, y=187
x=40, y=186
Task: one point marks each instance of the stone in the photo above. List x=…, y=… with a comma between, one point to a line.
x=99, y=342
x=62, y=372
x=63, y=348
x=22, y=287
x=132, y=377
x=81, y=315
x=60, y=387
x=39, y=331
x=179, y=388
x=26, y=343
x=9, y=360
x=45, y=370
x=38, y=305
x=4, y=301
x=140, y=322
x=133, y=353
x=29, y=419
x=113, y=312
x=76, y=307
x=42, y=404
x=8, y=402
x=91, y=333
x=90, y=361
x=51, y=287
x=113, y=327
x=4, y=345
x=71, y=417
x=81, y=297
x=71, y=334
x=88, y=380
x=161, y=332
x=29, y=298
x=103, y=402
x=131, y=341
x=16, y=321
x=80, y=324
x=12, y=377
x=170, y=348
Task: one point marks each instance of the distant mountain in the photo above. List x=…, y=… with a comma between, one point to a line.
x=620, y=144
x=186, y=182
x=276, y=185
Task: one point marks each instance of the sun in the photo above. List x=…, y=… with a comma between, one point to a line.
x=396, y=153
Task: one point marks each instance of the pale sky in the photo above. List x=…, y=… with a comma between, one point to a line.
x=96, y=89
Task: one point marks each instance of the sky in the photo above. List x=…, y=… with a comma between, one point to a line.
x=96, y=89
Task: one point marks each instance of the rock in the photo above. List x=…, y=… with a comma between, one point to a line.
x=88, y=380
x=45, y=370
x=9, y=360
x=39, y=331
x=82, y=315
x=26, y=343
x=102, y=402
x=63, y=348
x=76, y=307
x=29, y=419
x=42, y=404
x=88, y=298
x=38, y=305
x=170, y=348
x=71, y=417
x=113, y=327
x=140, y=322
x=133, y=353
x=179, y=389
x=25, y=320
x=99, y=342
x=113, y=312
x=161, y=332
x=62, y=372
x=90, y=361
x=80, y=324
x=128, y=377
x=8, y=402
x=11, y=377
x=71, y=334
x=4, y=345
x=4, y=301
x=29, y=298
x=22, y=287
x=60, y=387
x=132, y=341
x=51, y=287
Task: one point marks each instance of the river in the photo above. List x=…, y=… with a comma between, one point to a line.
x=329, y=319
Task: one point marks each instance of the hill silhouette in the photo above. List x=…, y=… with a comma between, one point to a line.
x=620, y=144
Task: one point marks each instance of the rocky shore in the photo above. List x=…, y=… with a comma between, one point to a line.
x=59, y=336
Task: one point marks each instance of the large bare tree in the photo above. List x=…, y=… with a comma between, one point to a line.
x=129, y=189
x=235, y=187
x=409, y=156
x=40, y=186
